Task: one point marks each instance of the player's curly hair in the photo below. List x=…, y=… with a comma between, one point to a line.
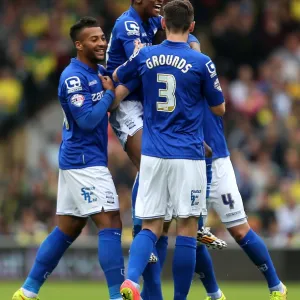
x=179, y=14
x=85, y=22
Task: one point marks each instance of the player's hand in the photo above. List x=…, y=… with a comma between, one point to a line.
x=107, y=83
x=208, y=151
x=138, y=45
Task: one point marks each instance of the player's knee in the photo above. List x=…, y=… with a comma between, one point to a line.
x=166, y=228
x=239, y=232
x=71, y=226
x=106, y=220
x=155, y=225
x=116, y=221
x=187, y=226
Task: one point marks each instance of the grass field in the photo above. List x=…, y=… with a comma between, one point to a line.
x=97, y=291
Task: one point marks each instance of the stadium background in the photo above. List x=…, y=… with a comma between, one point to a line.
x=256, y=47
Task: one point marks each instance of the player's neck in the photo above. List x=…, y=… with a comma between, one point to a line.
x=177, y=37
x=140, y=13
x=87, y=62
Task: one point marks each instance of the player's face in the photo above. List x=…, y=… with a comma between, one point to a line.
x=93, y=44
x=152, y=8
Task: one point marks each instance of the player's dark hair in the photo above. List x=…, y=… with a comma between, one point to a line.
x=85, y=22
x=179, y=14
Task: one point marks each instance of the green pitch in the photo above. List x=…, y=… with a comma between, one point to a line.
x=97, y=291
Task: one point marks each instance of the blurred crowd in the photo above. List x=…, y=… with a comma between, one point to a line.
x=256, y=47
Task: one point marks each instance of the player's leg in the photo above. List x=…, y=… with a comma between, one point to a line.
x=58, y=241
x=152, y=273
x=151, y=207
x=229, y=206
x=204, y=268
x=184, y=260
x=204, y=236
x=187, y=188
x=256, y=249
x=110, y=250
x=127, y=123
x=102, y=205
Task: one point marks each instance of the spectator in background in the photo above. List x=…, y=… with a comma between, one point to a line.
x=11, y=93
x=245, y=96
x=288, y=216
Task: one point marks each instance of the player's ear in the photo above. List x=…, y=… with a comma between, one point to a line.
x=78, y=45
x=192, y=27
x=163, y=23
x=137, y=1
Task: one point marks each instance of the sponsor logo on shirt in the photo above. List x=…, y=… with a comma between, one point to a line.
x=73, y=84
x=77, y=100
x=93, y=82
x=132, y=28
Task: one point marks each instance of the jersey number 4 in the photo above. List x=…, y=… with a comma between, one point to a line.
x=168, y=93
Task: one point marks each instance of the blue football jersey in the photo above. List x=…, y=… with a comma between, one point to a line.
x=214, y=134
x=176, y=81
x=214, y=129
x=128, y=28
x=79, y=91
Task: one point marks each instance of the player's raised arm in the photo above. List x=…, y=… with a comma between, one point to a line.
x=194, y=43
x=128, y=32
x=129, y=69
x=212, y=89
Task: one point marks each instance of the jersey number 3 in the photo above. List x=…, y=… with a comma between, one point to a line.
x=168, y=93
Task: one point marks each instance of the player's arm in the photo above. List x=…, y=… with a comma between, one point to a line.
x=87, y=115
x=212, y=89
x=194, y=43
x=129, y=69
x=127, y=33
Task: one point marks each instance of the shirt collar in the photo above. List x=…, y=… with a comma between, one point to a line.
x=175, y=44
x=83, y=65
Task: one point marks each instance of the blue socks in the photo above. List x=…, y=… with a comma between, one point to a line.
x=184, y=262
x=162, y=249
x=257, y=251
x=47, y=258
x=204, y=267
x=111, y=260
x=152, y=283
x=141, y=248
